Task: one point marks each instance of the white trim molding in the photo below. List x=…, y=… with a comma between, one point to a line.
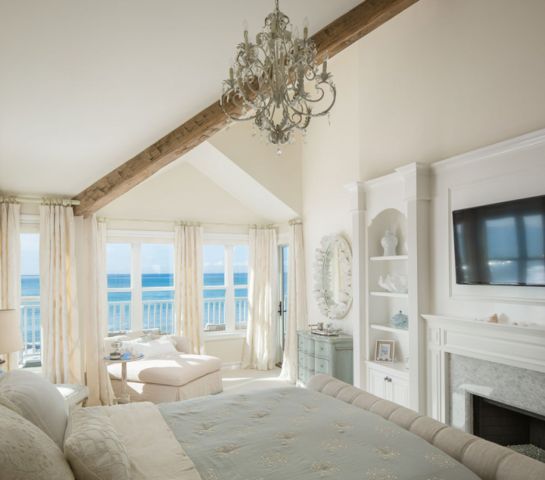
x=507, y=344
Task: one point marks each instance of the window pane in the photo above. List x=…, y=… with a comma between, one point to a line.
x=119, y=266
x=240, y=264
x=241, y=308
x=158, y=310
x=214, y=265
x=119, y=311
x=30, y=299
x=157, y=265
x=214, y=309
x=214, y=297
x=118, y=262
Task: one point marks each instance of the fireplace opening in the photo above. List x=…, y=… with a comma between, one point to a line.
x=510, y=426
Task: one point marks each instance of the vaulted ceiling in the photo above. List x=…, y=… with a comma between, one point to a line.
x=87, y=85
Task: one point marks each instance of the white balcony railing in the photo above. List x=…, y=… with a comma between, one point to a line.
x=119, y=316
x=31, y=330
x=241, y=313
x=159, y=314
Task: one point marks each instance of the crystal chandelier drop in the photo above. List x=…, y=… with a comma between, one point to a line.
x=276, y=81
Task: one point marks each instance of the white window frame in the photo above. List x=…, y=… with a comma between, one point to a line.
x=136, y=239
x=228, y=241
x=30, y=223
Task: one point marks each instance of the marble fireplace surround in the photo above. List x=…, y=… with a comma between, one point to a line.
x=517, y=387
x=501, y=362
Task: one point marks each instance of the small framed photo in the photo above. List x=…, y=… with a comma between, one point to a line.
x=385, y=351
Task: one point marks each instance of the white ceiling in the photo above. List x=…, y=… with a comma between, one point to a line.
x=86, y=85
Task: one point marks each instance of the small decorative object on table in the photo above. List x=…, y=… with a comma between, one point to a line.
x=115, y=354
x=384, y=351
x=493, y=319
x=328, y=331
x=389, y=243
x=400, y=320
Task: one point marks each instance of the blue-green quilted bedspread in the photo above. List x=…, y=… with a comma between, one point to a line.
x=293, y=433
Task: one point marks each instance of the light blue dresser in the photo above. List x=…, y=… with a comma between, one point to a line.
x=319, y=354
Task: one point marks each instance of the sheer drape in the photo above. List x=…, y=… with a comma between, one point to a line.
x=95, y=313
x=188, y=284
x=61, y=356
x=297, y=300
x=259, y=349
x=9, y=263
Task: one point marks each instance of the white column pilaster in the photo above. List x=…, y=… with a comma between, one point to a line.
x=357, y=208
x=417, y=195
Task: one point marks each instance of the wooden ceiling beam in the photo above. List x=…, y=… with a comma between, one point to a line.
x=331, y=40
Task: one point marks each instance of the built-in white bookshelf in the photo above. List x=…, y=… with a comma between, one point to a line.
x=396, y=202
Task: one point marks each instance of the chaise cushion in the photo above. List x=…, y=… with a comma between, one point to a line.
x=174, y=369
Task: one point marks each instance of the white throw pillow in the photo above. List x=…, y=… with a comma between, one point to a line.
x=151, y=348
x=37, y=400
x=28, y=453
x=93, y=447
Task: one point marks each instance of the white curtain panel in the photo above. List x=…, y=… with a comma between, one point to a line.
x=297, y=300
x=61, y=355
x=95, y=313
x=259, y=349
x=10, y=220
x=188, y=282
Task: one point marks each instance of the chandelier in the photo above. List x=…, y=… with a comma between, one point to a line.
x=276, y=81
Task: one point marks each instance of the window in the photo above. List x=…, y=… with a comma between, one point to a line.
x=158, y=286
x=119, y=267
x=225, y=287
x=140, y=286
x=31, y=327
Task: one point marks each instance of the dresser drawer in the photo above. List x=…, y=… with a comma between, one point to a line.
x=306, y=345
x=324, y=350
x=321, y=365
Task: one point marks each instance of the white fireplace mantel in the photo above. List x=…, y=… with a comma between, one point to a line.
x=517, y=346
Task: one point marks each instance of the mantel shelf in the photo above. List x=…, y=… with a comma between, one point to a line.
x=391, y=258
x=386, y=328
x=389, y=294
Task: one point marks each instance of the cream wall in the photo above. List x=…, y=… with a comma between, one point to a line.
x=180, y=192
x=330, y=160
x=442, y=78
x=448, y=76
x=279, y=174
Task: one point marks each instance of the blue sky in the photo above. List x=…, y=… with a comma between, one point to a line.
x=30, y=254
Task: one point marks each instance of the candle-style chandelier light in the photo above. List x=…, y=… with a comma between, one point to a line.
x=276, y=81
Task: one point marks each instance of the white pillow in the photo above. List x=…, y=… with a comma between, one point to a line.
x=37, y=400
x=28, y=453
x=93, y=447
x=151, y=348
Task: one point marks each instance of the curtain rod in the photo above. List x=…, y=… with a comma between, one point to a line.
x=29, y=199
x=177, y=222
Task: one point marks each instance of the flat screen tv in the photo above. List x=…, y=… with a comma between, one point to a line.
x=501, y=244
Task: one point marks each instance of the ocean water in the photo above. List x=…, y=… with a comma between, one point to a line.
x=153, y=314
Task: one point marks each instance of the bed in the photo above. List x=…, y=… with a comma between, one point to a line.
x=330, y=430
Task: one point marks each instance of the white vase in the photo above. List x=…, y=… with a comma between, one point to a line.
x=389, y=243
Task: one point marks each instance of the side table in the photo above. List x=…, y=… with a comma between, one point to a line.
x=124, y=397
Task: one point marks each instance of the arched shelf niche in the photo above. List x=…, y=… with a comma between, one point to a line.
x=389, y=219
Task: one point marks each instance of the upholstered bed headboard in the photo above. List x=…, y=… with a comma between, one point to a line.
x=486, y=459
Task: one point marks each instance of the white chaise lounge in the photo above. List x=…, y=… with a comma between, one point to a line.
x=168, y=376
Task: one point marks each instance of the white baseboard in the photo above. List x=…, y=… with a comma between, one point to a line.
x=231, y=365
